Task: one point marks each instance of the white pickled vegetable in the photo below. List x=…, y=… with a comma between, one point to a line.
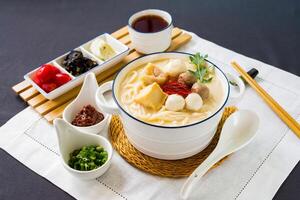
x=193, y=102
x=175, y=102
x=102, y=49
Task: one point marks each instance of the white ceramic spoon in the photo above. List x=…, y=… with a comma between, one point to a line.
x=85, y=97
x=238, y=130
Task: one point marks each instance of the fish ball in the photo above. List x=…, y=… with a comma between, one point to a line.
x=175, y=102
x=193, y=102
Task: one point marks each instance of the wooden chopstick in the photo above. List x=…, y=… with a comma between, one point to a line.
x=284, y=116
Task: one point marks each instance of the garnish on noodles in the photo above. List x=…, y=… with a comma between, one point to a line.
x=175, y=87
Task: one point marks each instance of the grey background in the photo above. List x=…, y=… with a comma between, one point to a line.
x=34, y=32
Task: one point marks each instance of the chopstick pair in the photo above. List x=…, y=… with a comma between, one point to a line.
x=284, y=116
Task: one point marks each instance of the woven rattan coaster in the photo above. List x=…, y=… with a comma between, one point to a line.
x=165, y=168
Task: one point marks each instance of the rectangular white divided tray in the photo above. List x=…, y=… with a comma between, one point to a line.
x=120, y=49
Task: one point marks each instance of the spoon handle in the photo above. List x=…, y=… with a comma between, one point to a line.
x=187, y=187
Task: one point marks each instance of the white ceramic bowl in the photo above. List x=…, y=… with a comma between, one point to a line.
x=86, y=97
x=151, y=42
x=70, y=139
x=165, y=142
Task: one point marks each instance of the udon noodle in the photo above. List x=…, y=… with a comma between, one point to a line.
x=131, y=85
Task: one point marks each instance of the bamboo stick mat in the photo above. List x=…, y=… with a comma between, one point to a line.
x=51, y=109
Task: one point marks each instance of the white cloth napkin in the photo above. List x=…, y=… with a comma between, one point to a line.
x=255, y=172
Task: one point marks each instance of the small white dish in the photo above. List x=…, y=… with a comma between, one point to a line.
x=70, y=139
x=58, y=91
x=151, y=42
x=86, y=97
x=121, y=52
x=115, y=44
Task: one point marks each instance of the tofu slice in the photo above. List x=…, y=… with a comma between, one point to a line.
x=152, y=97
x=151, y=74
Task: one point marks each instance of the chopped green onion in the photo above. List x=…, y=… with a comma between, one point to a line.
x=88, y=158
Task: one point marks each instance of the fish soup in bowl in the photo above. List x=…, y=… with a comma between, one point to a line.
x=170, y=103
x=165, y=92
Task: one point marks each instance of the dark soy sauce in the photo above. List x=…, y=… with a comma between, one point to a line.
x=149, y=24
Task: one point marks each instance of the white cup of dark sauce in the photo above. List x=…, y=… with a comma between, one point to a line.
x=150, y=30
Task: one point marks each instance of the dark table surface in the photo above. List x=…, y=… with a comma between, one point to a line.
x=34, y=32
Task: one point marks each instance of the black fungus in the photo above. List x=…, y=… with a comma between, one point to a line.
x=77, y=64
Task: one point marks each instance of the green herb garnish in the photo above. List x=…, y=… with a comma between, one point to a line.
x=233, y=83
x=88, y=158
x=203, y=73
